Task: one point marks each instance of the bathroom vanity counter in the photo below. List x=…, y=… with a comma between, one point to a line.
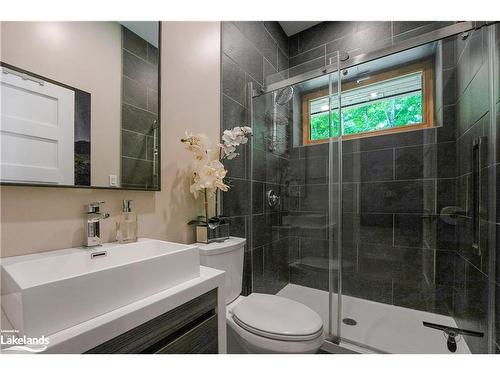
x=92, y=333
x=183, y=313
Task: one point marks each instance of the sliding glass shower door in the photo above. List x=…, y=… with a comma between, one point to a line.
x=294, y=195
x=416, y=172
x=373, y=195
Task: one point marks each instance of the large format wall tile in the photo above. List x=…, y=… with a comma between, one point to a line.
x=136, y=172
x=395, y=186
x=418, y=30
x=421, y=296
x=135, y=44
x=408, y=230
x=258, y=35
x=140, y=70
x=368, y=166
x=375, y=228
x=139, y=109
x=236, y=201
x=312, y=54
x=309, y=276
x=395, y=196
x=233, y=81
x=135, y=145
x=400, y=27
x=278, y=35
x=137, y=120
x=135, y=93
x=375, y=36
x=409, y=163
x=470, y=306
x=473, y=120
x=357, y=37
x=233, y=113
x=250, y=51
x=242, y=51
x=312, y=197
x=497, y=313
x=361, y=286
x=276, y=265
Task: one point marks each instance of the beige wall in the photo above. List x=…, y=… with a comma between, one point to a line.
x=85, y=55
x=41, y=219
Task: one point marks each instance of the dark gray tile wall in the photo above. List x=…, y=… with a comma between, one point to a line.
x=308, y=217
x=399, y=197
x=395, y=186
x=395, y=237
x=496, y=212
x=473, y=278
x=250, y=51
x=314, y=47
x=139, y=110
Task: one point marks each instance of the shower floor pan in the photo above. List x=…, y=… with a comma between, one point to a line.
x=381, y=327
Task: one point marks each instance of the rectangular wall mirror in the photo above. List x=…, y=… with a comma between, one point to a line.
x=79, y=104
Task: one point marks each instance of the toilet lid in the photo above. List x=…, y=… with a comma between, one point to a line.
x=277, y=317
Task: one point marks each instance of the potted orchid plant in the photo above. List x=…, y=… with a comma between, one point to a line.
x=209, y=173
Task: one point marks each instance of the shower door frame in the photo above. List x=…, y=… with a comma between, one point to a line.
x=410, y=43
x=330, y=69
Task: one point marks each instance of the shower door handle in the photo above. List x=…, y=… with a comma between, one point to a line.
x=478, y=148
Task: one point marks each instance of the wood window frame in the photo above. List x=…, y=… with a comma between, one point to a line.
x=427, y=69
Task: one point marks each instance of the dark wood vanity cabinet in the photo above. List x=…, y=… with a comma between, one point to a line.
x=188, y=329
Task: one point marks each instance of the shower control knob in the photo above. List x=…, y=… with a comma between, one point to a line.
x=273, y=199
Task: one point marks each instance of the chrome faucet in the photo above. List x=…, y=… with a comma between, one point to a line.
x=93, y=226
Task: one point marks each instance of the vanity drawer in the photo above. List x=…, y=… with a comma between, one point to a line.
x=168, y=328
x=201, y=339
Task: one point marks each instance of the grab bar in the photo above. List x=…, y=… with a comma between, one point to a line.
x=477, y=156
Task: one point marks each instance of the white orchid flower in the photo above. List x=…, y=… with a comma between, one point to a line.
x=209, y=176
x=208, y=171
x=233, y=138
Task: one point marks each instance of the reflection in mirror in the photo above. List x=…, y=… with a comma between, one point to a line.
x=79, y=104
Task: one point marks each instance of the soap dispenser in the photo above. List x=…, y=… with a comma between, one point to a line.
x=126, y=226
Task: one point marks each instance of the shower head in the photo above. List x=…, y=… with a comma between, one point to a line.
x=154, y=127
x=284, y=95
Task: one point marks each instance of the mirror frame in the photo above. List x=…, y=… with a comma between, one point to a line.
x=73, y=88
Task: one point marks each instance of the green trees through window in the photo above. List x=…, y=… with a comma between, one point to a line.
x=374, y=115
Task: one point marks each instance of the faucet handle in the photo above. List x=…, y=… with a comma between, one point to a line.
x=93, y=208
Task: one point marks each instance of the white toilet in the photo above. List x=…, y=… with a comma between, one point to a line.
x=260, y=323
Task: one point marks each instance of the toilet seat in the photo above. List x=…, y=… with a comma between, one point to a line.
x=277, y=318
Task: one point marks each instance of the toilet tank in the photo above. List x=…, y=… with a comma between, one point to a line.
x=226, y=256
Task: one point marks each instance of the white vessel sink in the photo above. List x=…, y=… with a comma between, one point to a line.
x=43, y=294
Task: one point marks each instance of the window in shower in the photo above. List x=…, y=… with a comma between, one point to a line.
x=391, y=101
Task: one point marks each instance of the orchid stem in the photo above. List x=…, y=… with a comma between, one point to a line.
x=217, y=190
x=206, y=206
x=217, y=202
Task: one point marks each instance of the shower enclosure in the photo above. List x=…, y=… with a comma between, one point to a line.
x=373, y=193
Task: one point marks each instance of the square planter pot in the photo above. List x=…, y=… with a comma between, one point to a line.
x=206, y=234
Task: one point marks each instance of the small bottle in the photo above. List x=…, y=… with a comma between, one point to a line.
x=126, y=226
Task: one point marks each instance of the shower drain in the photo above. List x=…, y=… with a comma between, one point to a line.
x=349, y=321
